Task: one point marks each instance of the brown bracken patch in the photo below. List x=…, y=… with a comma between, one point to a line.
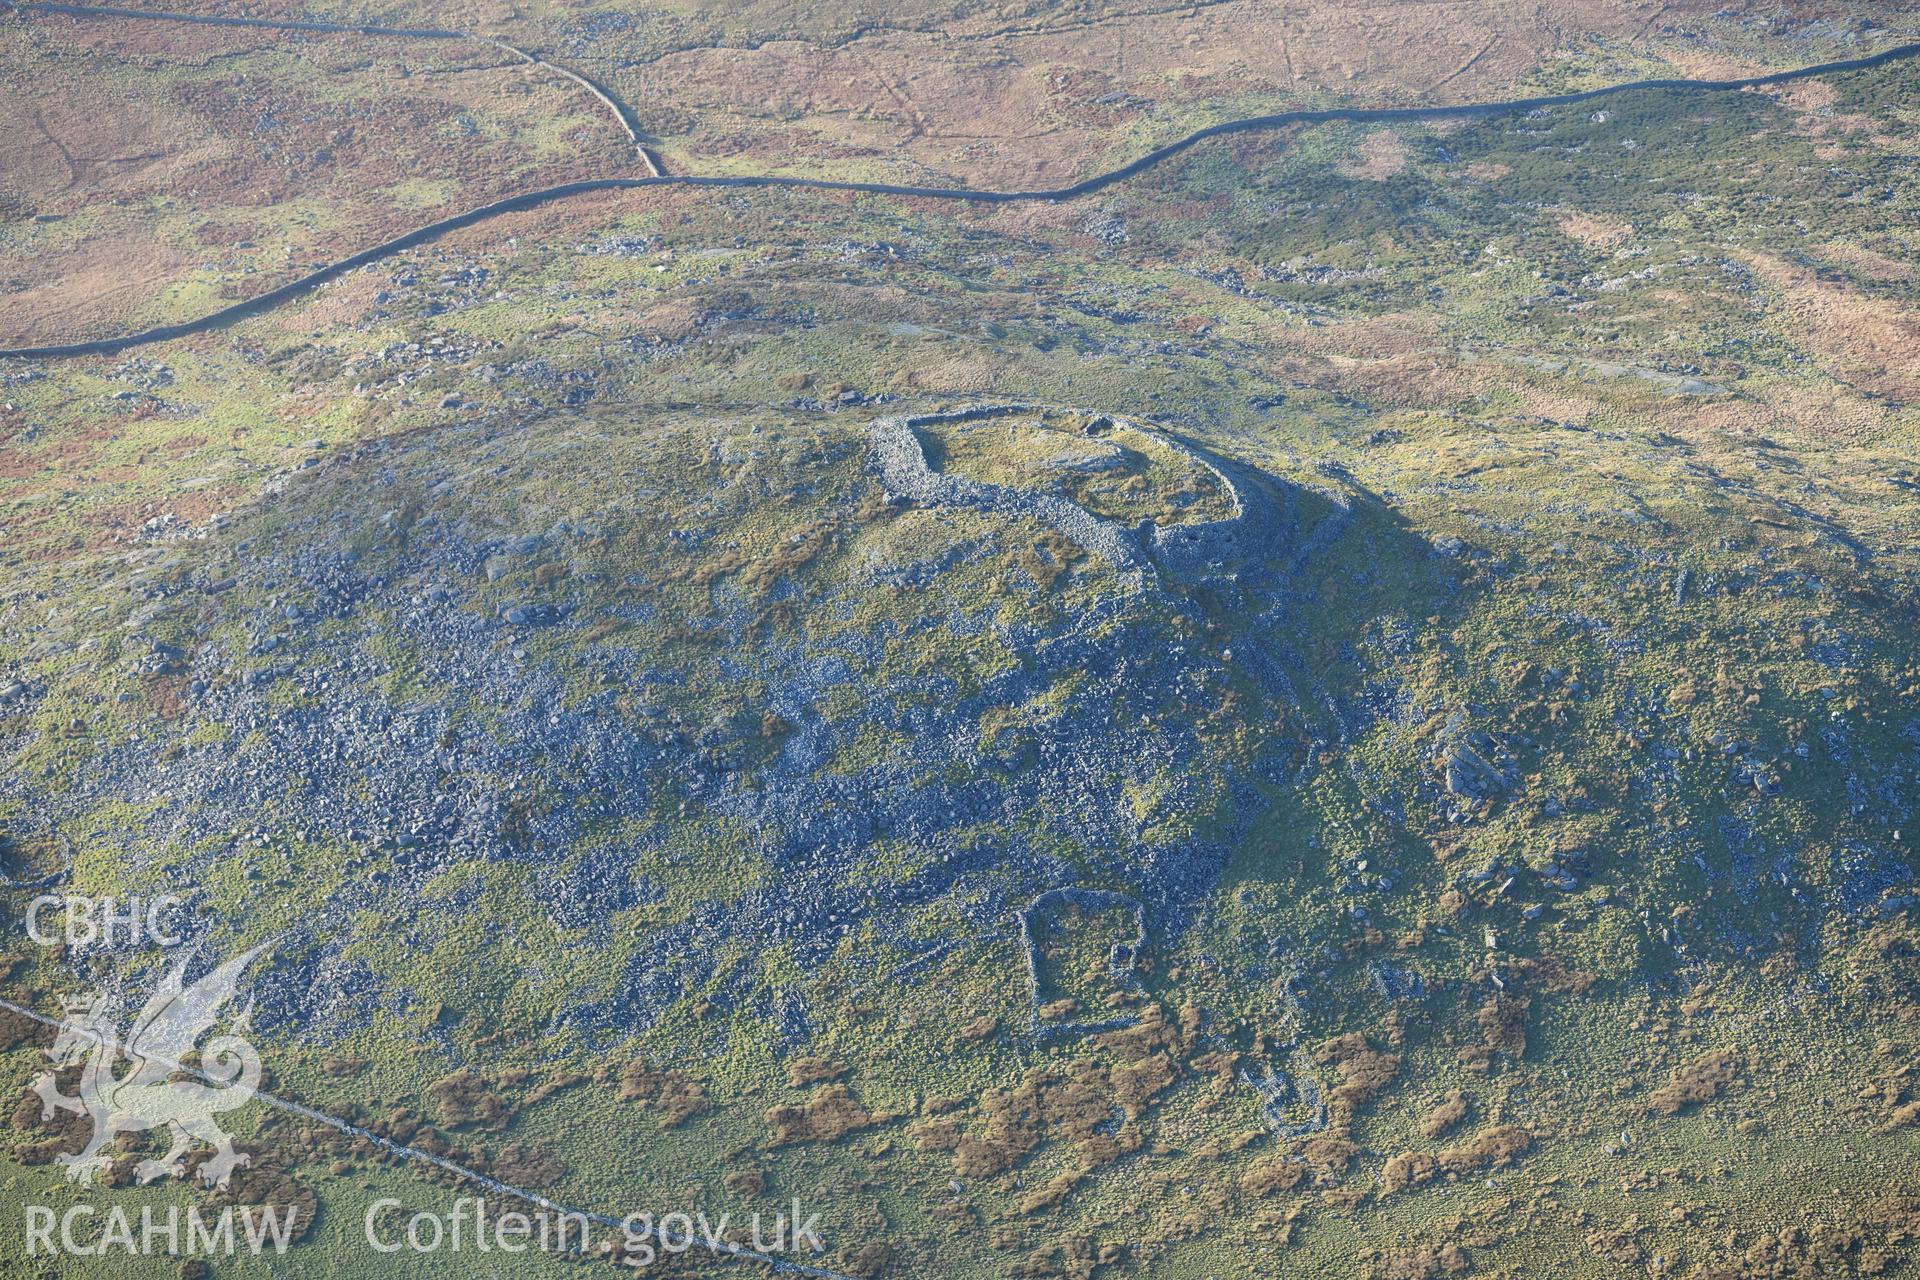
x=829, y=1115
x=1449, y=1112
x=677, y=1096
x=1699, y=1081
x=1365, y=1070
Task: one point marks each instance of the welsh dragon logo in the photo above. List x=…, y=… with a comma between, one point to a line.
x=157, y=1090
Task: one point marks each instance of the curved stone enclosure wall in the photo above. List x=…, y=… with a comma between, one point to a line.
x=900, y=457
x=905, y=473
x=1207, y=546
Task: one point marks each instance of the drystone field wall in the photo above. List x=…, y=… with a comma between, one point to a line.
x=655, y=177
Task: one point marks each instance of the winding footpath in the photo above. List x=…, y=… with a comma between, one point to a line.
x=546, y=195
